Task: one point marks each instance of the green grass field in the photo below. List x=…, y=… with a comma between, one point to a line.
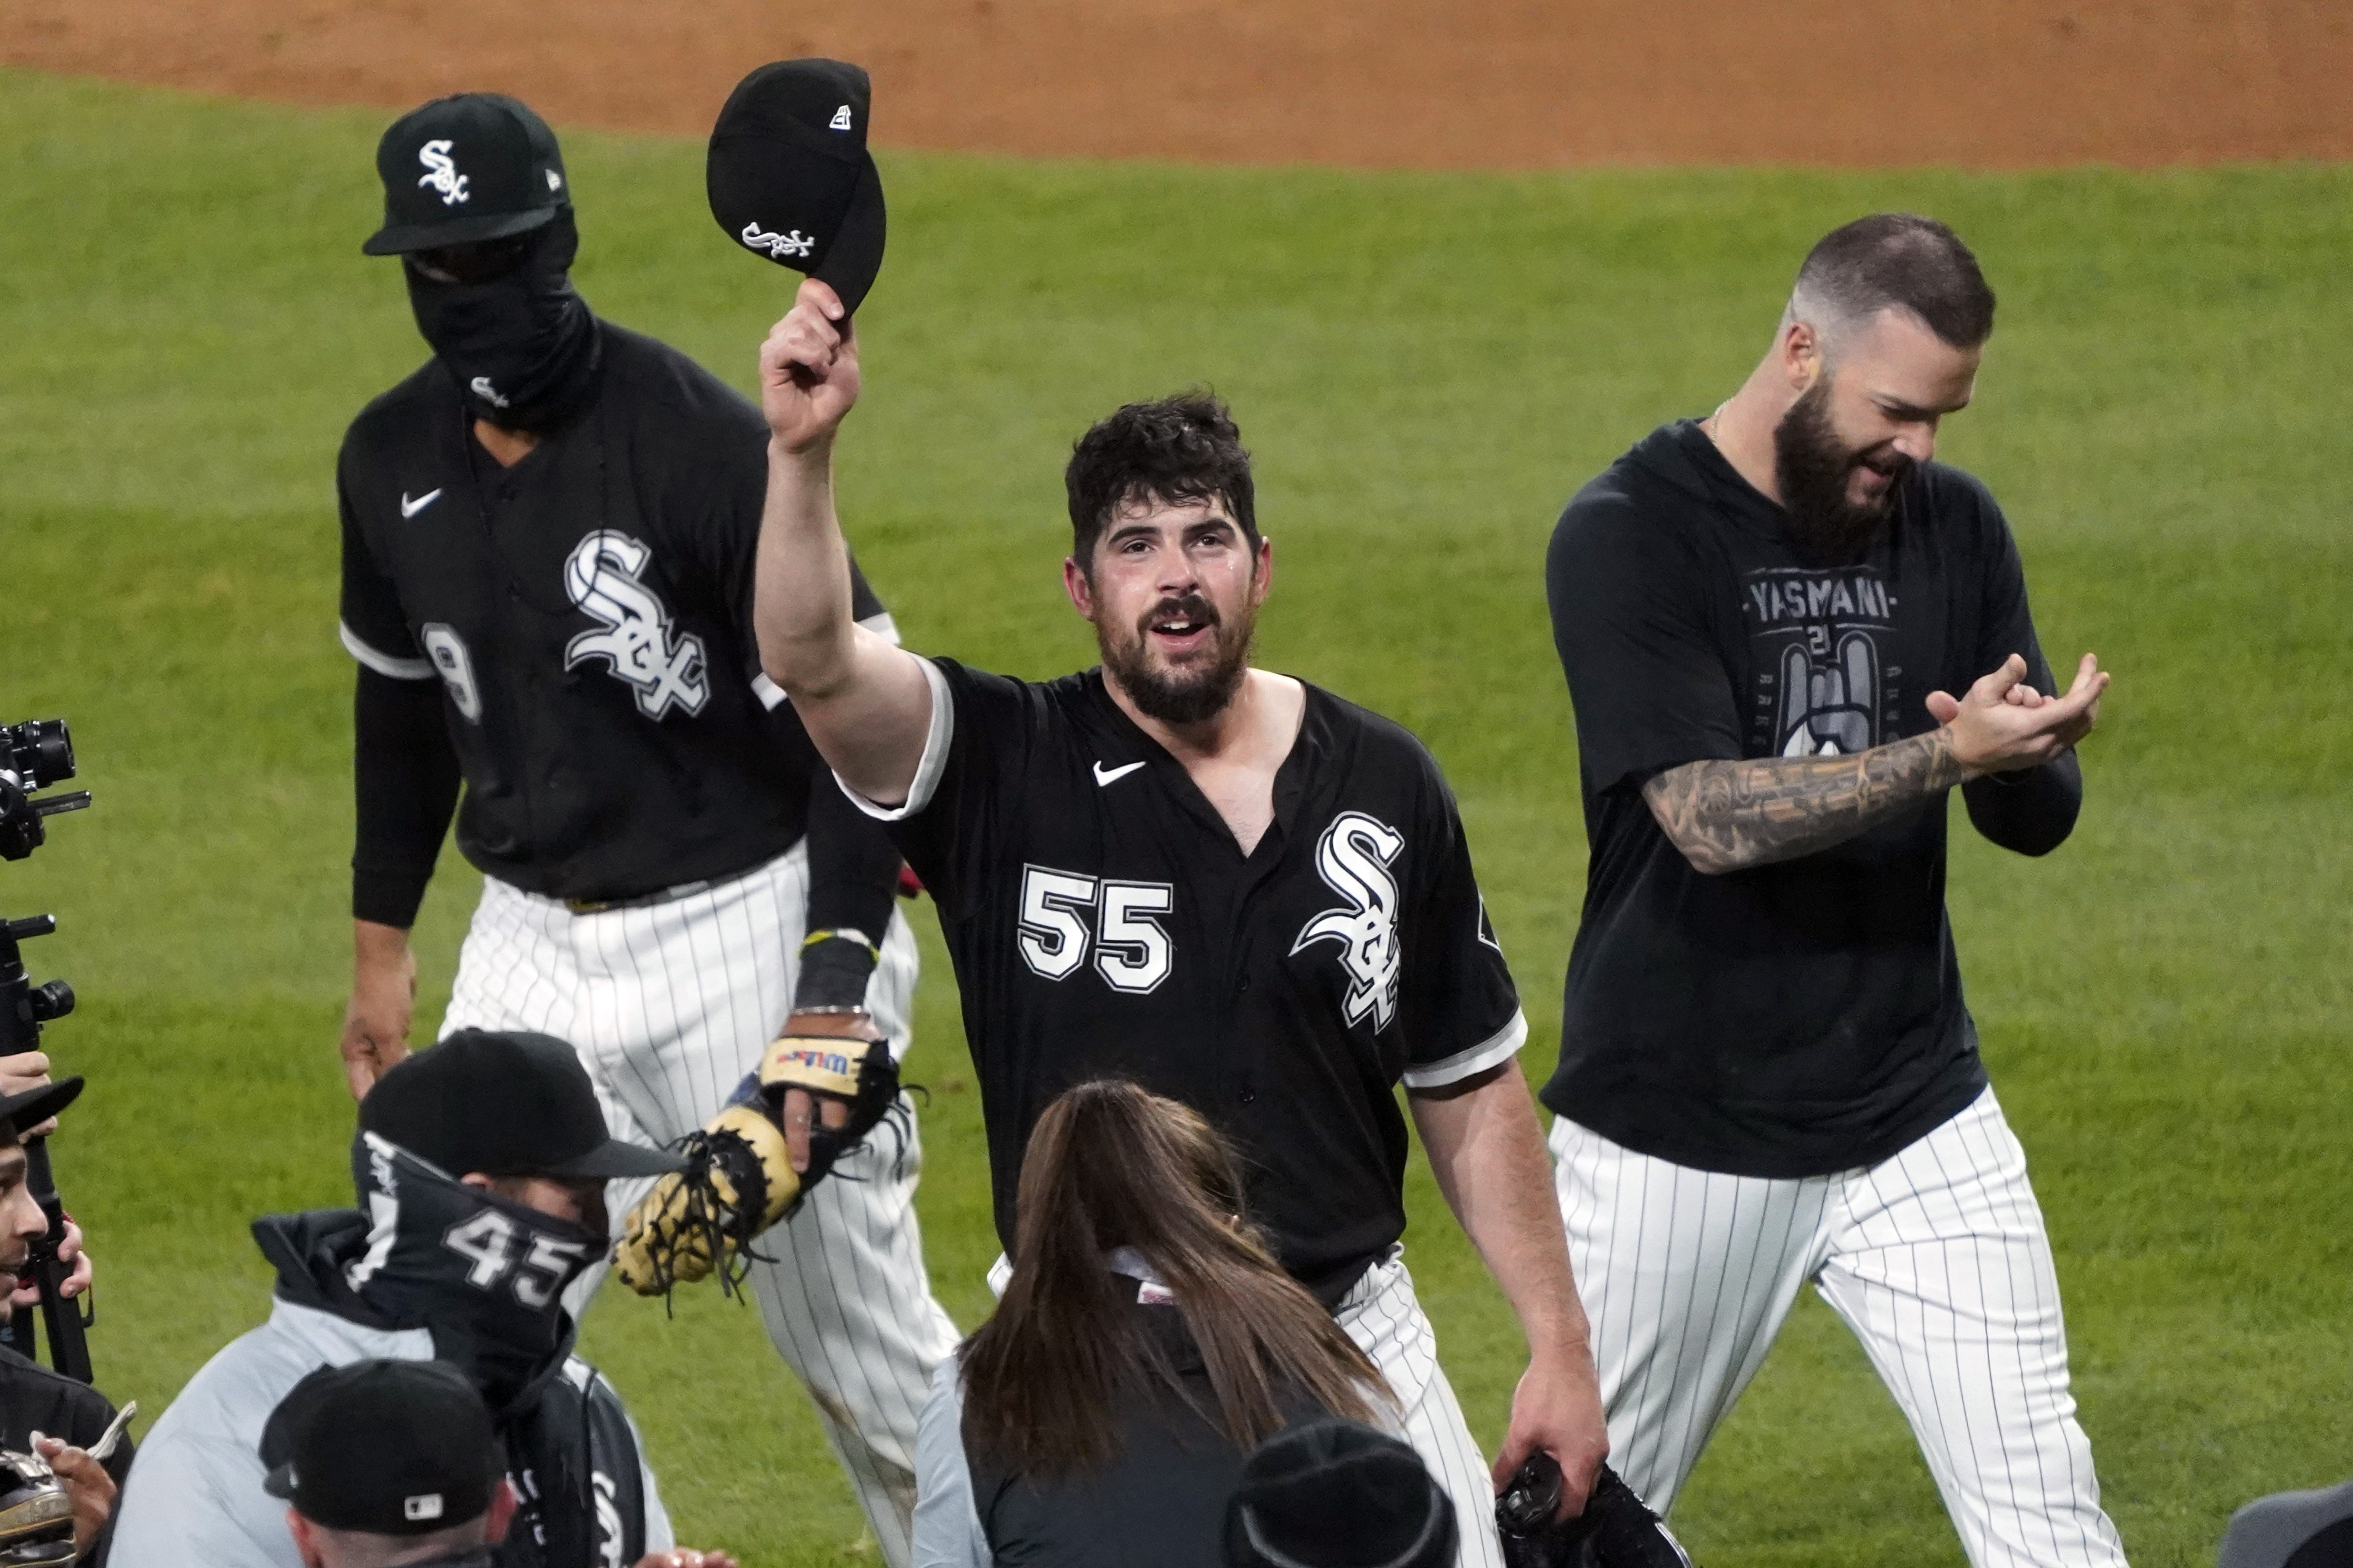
x=1426, y=366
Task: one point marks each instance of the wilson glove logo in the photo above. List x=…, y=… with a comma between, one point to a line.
x=1354, y=857
x=441, y=171
x=779, y=246
x=636, y=639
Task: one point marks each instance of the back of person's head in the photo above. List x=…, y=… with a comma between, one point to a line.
x=386, y=1463
x=1110, y=1165
x=1334, y=1494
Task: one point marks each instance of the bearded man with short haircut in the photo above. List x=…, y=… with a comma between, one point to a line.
x=1767, y=1075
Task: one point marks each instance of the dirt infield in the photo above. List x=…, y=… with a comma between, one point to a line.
x=1410, y=83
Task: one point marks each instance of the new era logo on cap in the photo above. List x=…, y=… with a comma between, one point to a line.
x=425, y=1506
x=840, y=121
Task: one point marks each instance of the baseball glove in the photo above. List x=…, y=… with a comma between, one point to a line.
x=1617, y=1529
x=739, y=1179
x=36, y=1514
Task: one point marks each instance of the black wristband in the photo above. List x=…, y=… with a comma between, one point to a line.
x=835, y=968
x=388, y=898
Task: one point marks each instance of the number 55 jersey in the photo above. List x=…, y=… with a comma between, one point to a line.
x=1104, y=922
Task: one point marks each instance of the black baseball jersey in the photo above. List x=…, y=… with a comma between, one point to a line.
x=588, y=614
x=1103, y=922
x=1805, y=1017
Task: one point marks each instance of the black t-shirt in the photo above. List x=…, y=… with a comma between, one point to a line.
x=1159, y=1502
x=35, y=1399
x=1790, y=1019
x=587, y=611
x=1103, y=922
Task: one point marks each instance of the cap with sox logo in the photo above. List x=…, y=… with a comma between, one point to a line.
x=790, y=175
x=389, y=1448
x=461, y=170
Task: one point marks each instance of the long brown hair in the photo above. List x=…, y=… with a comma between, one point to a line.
x=1112, y=1165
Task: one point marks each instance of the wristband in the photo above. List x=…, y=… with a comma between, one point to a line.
x=835, y=968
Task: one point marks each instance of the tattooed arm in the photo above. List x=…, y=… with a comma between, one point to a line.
x=1727, y=815
x=1730, y=815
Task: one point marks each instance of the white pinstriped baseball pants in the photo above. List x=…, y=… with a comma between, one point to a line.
x=1382, y=1314
x=669, y=1005
x=1935, y=1257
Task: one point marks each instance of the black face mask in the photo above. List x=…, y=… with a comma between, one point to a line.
x=485, y=1275
x=523, y=345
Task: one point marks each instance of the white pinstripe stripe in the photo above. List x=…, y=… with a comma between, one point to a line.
x=1381, y=1313
x=669, y=1005
x=1937, y=1260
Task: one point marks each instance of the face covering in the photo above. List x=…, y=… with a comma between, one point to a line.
x=522, y=346
x=484, y=1273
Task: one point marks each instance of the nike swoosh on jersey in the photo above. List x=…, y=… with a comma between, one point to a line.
x=1112, y=776
x=411, y=507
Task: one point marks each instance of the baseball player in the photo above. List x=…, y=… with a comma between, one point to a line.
x=1223, y=883
x=1768, y=1076
x=548, y=534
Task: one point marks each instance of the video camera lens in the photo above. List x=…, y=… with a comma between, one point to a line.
x=39, y=752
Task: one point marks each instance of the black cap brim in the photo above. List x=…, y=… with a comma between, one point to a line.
x=34, y=1106
x=854, y=259
x=401, y=239
x=614, y=1158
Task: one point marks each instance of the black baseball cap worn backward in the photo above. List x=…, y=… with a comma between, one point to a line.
x=1334, y=1494
x=462, y=170
x=503, y=1104
x=389, y=1448
x=790, y=175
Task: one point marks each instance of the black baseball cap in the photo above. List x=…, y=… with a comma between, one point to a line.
x=477, y=166
x=1336, y=1494
x=505, y=1105
x=790, y=177
x=28, y=1109
x=390, y=1448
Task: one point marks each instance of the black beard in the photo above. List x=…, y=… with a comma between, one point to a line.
x=1190, y=699
x=1812, y=466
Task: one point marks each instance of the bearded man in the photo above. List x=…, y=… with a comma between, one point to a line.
x=1767, y=1075
x=1218, y=881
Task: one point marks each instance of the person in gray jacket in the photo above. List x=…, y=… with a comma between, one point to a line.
x=481, y=1166
x=2293, y=1530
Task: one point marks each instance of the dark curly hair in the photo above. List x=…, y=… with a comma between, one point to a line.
x=1180, y=449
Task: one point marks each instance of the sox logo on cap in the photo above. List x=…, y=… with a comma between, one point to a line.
x=441, y=171
x=778, y=245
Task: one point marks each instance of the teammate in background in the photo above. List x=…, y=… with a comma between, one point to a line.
x=481, y=1168
x=1768, y=1076
x=397, y=1462
x=1147, y=1342
x=1238, y=891
x=548, y=542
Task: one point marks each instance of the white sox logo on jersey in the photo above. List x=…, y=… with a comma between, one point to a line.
x=1354, y=857
x=441, y=171
x=638, y=640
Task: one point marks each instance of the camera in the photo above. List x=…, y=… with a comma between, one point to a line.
x=34, y=755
